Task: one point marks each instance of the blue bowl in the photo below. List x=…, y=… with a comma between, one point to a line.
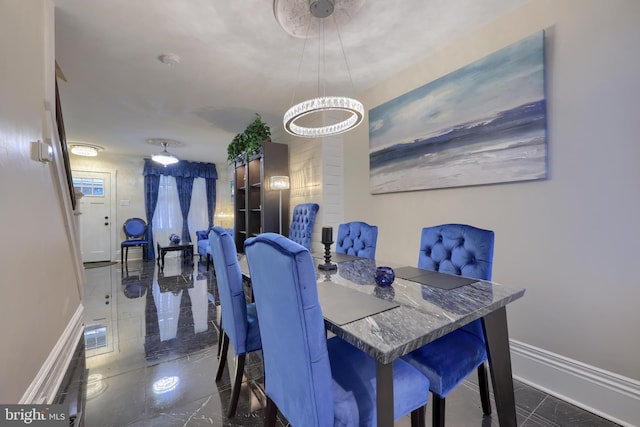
x=385, y=276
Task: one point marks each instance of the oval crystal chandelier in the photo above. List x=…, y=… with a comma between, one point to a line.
x=352, y=108
x=325, y=103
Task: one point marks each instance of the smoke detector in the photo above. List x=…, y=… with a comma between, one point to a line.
x=169, y=59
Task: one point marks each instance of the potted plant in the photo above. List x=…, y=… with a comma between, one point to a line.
x=255, y=133
x=235, y=148
x=249, y=141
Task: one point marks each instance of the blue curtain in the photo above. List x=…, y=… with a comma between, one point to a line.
x=151, y=187
x=185, y=186
x=182, y=169
x=211, y=199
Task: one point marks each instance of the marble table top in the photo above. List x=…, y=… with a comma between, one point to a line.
x=424, y=313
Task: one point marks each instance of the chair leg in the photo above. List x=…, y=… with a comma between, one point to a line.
x=223, y=355
x=121, y=255
x=418, y=418
x=483, y=385
x=237, y=385
x=438, y=411
x=270, y=413
x=220, y=339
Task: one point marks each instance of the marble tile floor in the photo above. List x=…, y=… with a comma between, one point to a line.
x=151, y=356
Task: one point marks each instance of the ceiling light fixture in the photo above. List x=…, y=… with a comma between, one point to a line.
x=165, y=158
x=88, y=150
x=350, y=108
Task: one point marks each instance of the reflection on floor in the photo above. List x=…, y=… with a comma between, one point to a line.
x=151, y=352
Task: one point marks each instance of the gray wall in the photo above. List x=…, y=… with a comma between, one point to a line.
x=571, y=240
x=39, y=286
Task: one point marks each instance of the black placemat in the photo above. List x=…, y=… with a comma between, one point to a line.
x=341, y=305
x=433, y=278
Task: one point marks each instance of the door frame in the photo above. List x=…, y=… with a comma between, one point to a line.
x=113, y=211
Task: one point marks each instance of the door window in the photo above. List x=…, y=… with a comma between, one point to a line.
x=90, y=187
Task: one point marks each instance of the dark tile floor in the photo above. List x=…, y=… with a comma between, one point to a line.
x=151, y=355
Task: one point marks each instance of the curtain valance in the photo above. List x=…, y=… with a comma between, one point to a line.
x=183, y=169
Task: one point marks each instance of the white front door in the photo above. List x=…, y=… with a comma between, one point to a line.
x=95, y=220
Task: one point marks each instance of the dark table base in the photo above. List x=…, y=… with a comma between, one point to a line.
x=163, y=249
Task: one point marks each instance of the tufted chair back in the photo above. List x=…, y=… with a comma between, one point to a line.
x=357, y=238
x=304, y=216
x=457, y=249
x=467, y=251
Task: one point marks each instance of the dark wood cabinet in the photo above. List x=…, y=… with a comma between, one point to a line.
x=257, y=207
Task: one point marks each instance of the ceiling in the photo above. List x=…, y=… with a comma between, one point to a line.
x=235, y=60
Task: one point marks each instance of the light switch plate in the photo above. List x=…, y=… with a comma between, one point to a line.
x=45, y=151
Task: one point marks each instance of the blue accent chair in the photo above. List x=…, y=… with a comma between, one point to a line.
x=468, y=251
x=204, y=248
x=135, y=229
x=358, y=239
x=239, y=322
x=203, y=243
x=312, y=380
x=304, y=216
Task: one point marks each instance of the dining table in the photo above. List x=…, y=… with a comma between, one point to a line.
x=390, y=322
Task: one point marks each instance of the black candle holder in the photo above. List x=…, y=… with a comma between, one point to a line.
x=327, y=258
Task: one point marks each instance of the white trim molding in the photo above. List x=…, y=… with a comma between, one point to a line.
x=609, y=395
x=45, y=385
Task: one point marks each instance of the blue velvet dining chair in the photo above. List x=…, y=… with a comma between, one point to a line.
x=312, y=380
x=468, y=251
x=357, y=238
x=302, y=220
x=239, y=322
x=135, y=229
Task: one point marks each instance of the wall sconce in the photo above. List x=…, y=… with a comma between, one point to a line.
x=279, y=183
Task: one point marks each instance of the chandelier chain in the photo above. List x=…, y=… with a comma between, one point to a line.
x=304, y=47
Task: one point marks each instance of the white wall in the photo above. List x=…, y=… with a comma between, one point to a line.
x=305, y=173
x=39, y=285
x=571, y=240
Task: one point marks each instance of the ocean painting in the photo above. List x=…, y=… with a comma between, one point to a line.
x=484, y=123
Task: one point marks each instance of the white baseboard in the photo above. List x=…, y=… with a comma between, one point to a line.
x=604, y=393
x=45, y=385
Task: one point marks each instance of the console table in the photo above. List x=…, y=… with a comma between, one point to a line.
x=163, y=249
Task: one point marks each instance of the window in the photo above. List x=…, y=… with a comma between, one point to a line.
x=95, y=337
x=90, y=187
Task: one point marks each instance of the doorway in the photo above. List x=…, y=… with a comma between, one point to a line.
x=95, y=219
